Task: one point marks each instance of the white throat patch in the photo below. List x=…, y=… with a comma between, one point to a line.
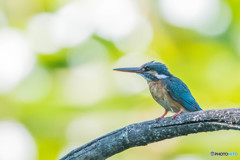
x=161, y=76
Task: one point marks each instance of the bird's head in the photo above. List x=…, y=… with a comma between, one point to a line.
x=151, y=71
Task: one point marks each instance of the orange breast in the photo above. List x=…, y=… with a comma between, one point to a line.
x=160, y=94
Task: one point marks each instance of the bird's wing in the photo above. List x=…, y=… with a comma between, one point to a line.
x=180, y=93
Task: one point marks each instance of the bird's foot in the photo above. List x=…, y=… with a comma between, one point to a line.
x=164, y=114
x=174, y=116
x=157, y=119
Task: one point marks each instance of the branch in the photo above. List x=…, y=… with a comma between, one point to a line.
x=140, y=134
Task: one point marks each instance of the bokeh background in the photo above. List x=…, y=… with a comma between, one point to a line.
x=58, y=90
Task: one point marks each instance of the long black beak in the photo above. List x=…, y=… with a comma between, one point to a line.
x=132, y=69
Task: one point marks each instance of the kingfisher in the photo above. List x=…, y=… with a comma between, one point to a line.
x=167, y=90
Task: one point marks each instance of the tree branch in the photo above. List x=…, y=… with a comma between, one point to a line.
x=143, y=133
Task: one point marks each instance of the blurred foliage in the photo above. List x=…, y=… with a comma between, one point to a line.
x=49, y=107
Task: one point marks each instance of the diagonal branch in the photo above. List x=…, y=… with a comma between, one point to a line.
x=143, y=133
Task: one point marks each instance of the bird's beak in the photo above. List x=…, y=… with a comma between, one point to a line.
x=132, y=69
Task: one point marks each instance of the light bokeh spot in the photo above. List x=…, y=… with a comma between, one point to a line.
x=16, y=142
x=86, y=85
x=83, y=128
x=16, y=58
x=209, y=17
x=116, y=19
x=74, y=23
x=138, y=40
x=40, y=33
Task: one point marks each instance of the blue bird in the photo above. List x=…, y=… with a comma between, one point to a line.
x=169, y=91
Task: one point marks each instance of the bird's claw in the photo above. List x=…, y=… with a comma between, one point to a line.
x=158, y=119
x=174, y=116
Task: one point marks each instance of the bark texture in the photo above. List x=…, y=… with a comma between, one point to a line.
x=140, y=134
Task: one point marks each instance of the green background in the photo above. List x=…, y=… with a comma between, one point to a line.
x=97, y=100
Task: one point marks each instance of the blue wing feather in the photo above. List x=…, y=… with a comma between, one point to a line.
x=180, y=93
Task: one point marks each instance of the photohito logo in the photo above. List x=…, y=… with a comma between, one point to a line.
x=224, y=154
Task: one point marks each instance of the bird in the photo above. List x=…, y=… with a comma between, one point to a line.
x=166, y=89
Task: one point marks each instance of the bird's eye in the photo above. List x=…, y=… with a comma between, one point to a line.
x=146, y=69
